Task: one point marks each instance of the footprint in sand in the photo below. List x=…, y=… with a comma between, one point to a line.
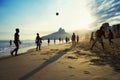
x=71, y=57
x=33, y=54
x=77, y=52
x=72, y=75
x=100, y=78
x=60, y=62
x=86, y=72
x=71, y=67
x=84, y=62
x=45, y=59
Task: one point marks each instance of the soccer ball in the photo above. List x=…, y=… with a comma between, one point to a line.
x=57, y=13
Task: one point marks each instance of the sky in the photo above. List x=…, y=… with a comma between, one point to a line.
x=32, y=16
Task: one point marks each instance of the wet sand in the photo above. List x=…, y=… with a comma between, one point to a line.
x=63, y=62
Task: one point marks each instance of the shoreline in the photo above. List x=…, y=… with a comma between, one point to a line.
x=20, y=52
x=22, y=49
x=26, y=50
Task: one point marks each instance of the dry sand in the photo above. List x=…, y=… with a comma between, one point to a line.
x=63, y=62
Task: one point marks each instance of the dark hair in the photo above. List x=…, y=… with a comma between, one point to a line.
x=17, y=29
x=101, y=27
x=37, y=33
x=110, y=30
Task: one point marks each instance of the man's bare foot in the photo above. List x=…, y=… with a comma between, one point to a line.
x=16, y=54
x=11, y=53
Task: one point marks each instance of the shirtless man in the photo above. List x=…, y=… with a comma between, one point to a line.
x=38, y=41
x=99, y=34
x=17, y=42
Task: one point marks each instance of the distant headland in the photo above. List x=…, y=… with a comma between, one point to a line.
x=61, y=33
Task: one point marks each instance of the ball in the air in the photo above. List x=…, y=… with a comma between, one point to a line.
x=57, y=13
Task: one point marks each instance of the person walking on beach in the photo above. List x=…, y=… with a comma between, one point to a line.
x=17, y=42
x=91, y=38
x=54, y=40
x=99, y=34
x=110, y=37
x=77, y=39
x=66, y=39
x=60, y=40
x=38, y=42
x=73, y=39
x=48, y=41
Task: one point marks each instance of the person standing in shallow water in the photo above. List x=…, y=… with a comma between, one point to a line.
x=17, y=42
x=10, y=42
x=38, y=41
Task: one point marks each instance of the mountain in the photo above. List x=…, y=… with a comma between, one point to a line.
x=59, y=34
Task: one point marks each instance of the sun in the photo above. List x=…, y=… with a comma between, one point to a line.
x=77, y=16
x=75, y=21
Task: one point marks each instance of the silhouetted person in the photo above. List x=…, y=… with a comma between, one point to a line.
x=99, y=34
x=91, y=38
x=110, y=37
x=38, y=41
x=54, y=40
x=17, y=42
x=66, y=39
x=77, y=38
x=48, y=41
x=73, y=39
x=59, y=40
x=10, y=42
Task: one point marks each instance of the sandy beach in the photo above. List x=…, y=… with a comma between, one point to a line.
x=64, y=62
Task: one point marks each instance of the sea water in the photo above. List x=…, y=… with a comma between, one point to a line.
x=5, y=47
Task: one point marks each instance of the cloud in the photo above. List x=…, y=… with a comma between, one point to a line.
x=106, y=11
x=39, y=15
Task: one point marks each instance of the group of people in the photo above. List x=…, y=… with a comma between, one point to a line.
x=99, y=34
x=75, y=39
x=60, y=40
x=38, y=41
x=17, y=42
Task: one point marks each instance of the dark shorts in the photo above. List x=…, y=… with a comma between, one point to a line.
x=98, y=39
x=91, y=40
x=16, y=43
x=38, y=44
